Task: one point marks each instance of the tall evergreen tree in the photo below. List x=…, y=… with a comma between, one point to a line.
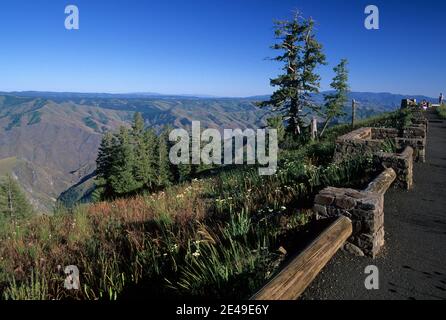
x=277, y=123
x=13, y=203
x=104, y=164
x=335, y=102
x=138, y=125
x=302, y=54
x=143, y=141
x=165, y=169
x=122, y=177
x=151, y=158
x=185, y=172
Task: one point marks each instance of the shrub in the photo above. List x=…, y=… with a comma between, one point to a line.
x=441, y=110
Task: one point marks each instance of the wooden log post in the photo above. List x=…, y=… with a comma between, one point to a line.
x=353, y=113
x=292, y=281
x=382, y=182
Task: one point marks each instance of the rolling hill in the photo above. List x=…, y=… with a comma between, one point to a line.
x=54, y=141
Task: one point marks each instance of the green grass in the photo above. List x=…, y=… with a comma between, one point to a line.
x=35, y=288
x=441, y=110
x=7, y=165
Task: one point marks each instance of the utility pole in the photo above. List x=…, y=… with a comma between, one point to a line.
x=353, y=112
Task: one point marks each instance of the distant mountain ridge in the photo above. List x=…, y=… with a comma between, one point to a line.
x=377, y=96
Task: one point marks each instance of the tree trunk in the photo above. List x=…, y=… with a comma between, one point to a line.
x=10, y=200
x=325, y=126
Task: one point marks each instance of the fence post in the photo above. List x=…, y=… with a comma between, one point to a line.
x=353, y=113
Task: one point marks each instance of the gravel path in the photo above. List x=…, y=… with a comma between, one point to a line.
x=413, y=263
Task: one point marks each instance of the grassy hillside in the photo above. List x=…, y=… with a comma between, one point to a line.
x=55, y=136
x=214, y=237
x=7, y=165
x=58, y=138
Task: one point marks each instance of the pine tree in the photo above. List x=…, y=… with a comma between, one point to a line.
x=104, y=164
x=143, y=169
x=138, y=125
x=122, y=177
x=185, y=172
x=277, y=123
x=335, y=102
x=302, y=54
x=151, y=158
x=165, y=169
x=13, y=203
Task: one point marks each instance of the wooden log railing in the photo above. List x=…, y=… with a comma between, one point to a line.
x=292, y=281
x=382, y=182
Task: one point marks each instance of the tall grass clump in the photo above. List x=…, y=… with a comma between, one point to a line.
x=441, y=110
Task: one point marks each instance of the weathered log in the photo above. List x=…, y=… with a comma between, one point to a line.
x=292, y=281
x=382, y=182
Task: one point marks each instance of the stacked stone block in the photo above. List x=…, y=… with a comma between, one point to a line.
x=401, y=163
x=384, y=133
x=365, y=208
x=358, y=142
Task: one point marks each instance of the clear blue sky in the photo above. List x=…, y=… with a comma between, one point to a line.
x=213, y=47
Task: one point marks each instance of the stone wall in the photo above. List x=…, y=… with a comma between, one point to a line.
x=421, y=121
x=358, y=142
x=401, y=163
x=418, y=145
x=415, y=136
x=365, y=208
x=371, y=140
x=384, y=133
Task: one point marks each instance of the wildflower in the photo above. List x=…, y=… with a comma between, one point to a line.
x=283, y=207
x=196, y=254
